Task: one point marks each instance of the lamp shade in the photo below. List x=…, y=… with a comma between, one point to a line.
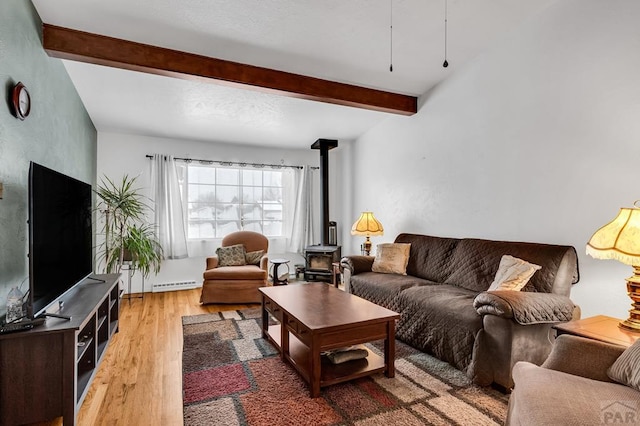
x=367, y=225
x=619, y=239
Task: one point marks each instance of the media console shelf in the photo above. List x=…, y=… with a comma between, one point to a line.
x=45, y=372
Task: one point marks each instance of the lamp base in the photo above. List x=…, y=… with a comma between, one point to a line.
x=633, y=288
x=366, y=247
x=630, y=325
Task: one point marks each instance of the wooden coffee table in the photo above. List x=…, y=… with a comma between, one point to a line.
x=317, y=317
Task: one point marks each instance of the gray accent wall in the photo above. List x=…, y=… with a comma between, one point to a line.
x=57, y=134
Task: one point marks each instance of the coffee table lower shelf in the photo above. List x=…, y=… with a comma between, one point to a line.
x=330, y=374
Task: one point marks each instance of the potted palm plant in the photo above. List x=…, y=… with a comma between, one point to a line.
x=127, y=234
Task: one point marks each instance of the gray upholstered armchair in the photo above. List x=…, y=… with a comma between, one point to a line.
x=236, y=284
x=572, y=387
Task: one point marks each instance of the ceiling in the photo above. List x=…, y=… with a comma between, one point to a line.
x=347, y=41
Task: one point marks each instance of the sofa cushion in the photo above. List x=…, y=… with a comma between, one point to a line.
x=383, y=289
x=513, y=273
x=429, y=257
x=626, y=369
x=441, y=320
x=475, y=262
x=243, y=272
x=391, y=258
x=547, y=397
x=231, y=255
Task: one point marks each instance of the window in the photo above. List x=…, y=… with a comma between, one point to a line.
x=221, y=200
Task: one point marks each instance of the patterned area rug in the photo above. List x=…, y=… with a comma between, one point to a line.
x=231, y=376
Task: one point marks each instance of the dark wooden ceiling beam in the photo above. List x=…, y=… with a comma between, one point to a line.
x=65, y=43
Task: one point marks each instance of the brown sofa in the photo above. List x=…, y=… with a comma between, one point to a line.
x=236, y=284
x=572, y=388
x=446, y=310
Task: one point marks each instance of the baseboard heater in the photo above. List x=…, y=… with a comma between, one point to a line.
x=176, y=285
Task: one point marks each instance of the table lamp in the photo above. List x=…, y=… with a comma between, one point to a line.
x=367, y=225
x=620, y=240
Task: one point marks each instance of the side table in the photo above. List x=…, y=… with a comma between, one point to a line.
x=600, y=327
x=275, y=277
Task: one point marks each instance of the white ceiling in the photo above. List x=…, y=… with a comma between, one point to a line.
x=342, y=40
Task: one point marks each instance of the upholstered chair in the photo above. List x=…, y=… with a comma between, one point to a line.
x=576, y=386
x=236, y=284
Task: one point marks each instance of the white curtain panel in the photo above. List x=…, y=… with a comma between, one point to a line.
x=302, y=226
x=168, y=210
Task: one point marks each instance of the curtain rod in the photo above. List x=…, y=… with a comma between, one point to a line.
x=238, y=163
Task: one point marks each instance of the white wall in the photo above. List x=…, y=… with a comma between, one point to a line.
x=537, y=140
x=120, y=154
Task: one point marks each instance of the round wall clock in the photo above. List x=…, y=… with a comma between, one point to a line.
x=21, y=101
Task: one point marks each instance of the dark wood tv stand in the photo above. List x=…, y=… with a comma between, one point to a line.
x=46, y=371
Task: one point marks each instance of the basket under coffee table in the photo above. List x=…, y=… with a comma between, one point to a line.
x=317, y=317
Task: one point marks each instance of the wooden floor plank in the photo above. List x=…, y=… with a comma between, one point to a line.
x=139, y=381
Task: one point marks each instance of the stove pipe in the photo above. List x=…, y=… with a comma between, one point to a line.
x=324, y=145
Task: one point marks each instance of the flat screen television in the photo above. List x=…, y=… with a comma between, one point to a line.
x=60, y=235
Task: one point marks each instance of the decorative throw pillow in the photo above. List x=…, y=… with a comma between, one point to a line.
x=513, y=274
x=626, y=369
x=391, y=258
x=231, y=255
x=253, y=257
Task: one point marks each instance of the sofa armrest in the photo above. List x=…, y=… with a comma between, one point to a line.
x=357, y=264
x=525, y=307
x=582, y=357
x=212, y=262
x=264, y=263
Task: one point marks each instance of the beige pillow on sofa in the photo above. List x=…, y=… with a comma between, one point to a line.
x=391, y=258
x=513, y=274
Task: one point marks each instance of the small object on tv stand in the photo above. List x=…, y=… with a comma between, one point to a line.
x=15, y=326
x=14, y=305
x=46, y=314
x=22, y=325
x=60, y=308
x=38, y=321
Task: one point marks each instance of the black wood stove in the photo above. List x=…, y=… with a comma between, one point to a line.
x=319, y=258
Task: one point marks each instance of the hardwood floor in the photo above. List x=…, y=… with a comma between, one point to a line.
x=139, y=381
